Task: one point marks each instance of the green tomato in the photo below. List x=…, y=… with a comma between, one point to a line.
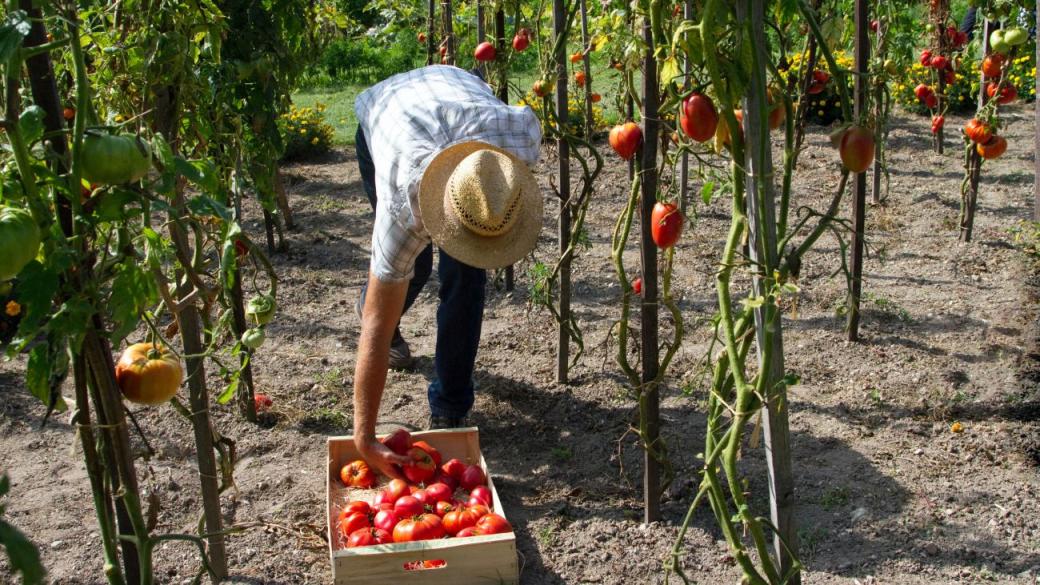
x=253, y=338
x=114, y=160
x=930, y=27
x=19, y=240
x=260, y=309
x=1016, y=36
x=998, y=42
x=891, y=68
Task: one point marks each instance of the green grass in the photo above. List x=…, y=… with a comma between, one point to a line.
x=340, y=109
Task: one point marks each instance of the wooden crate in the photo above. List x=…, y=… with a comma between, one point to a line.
x=477, y=560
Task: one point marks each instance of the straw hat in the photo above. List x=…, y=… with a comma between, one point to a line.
x=481, y=205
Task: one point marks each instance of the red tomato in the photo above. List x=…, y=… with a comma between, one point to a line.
x=68, y=113
x=355, y=507
x=456, y=520
x=579, y=78
x=995, y=147
x=357, y=474
x=453, y=468
x=407, y=506
x=637, y=285
x=368, y=537
x=421, y=37
x=481, y=493
x=424, y=527
x=541, y=88
x=857, y=149
x=937, y=123
x=438, y=492
x=576, y=57
x=520, y=42
x=422, y=467
x=434, y=453
x=950, y=77
x=926, y=57
x=993, y=65
x=484, y=52
x=931, y=101
x=666, y=224
x=625, y=140
x=493, y=524
x=595, y=97
x=470, y=531
x=1008, y=93
x=262, y=402
x=939, y=62
x=472, y=477
x=698, y=117
x=874, y=26
x=351, y=522
x=398, y=441
x=442, y=508
x=395, y=489
x=148, y=373
x=385, y=520
x=978, y=131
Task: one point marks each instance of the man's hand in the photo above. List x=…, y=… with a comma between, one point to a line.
x=380, y=456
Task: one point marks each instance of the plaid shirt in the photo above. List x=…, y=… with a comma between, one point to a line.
x=407, y=120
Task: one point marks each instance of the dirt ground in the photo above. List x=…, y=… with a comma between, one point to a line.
x=886, y=492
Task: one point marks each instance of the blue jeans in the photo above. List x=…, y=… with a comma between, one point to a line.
x=459, y=315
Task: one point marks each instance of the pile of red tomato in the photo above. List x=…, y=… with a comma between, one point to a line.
x=425, y=507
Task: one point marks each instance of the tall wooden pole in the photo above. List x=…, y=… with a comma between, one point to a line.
x=480, y=35
x=684, y=165
x=762, y=247
x=449, y=31
x=431, y=32
x=971, y=198
x=564, y=170
x=648, y=259
x=860, y=199
x=1036, y=138
x=587, y=68
x=503, y=94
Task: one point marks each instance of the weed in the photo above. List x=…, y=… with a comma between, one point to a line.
x=834, y=498
x=562, y=453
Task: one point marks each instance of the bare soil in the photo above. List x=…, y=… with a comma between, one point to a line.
x=886, y=492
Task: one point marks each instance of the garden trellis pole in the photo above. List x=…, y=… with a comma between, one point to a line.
x=862, y=85
x=560, y=28
x=587, y=68
x=648, y=261
x=1036, y=135
x=762, y=247
x=684, y=165
x=431, y=32
x=503, y=94
x=971, y=197
x=449, y=32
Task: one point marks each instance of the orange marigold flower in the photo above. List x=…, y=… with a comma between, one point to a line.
x=13, y=309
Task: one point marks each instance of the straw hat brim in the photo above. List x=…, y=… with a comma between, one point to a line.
x=449, y=233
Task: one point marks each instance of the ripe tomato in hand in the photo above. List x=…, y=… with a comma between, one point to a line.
x=857, y=149
x=424, y=527
x=434, y=453
x=398, y=441
x=421, y=468
x=148, y=374
x=698, y=117
x=472, y=477
x=368, y=537
x=357, y=474
x=493, y=524
x=625, y=139
x=666, y=224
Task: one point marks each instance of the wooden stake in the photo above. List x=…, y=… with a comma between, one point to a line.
x=860, y=199
x=970, y=199
x=564, y=170
x=648, y=260
x=503, y=94
x=431, y=32
x=449, y=31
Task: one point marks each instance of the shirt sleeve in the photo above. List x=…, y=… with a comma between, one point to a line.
x=396, y=243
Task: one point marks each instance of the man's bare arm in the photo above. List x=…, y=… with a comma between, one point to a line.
x=384, y=302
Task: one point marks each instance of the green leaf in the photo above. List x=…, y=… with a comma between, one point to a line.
x=792, y=379
x=23, y=556
x=30, y=123
x=200, y=172
x=203, y=205
x=117, y=205
x=36, y=288
x=133, y=291
x=753, y=302
x=15, y=28
x=707, y=191
x=41, y=369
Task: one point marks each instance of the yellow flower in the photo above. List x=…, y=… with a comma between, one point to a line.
x=820, y=112
x=314, y=140
x=303, y=132
x=957, y=427
x=13, y=309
